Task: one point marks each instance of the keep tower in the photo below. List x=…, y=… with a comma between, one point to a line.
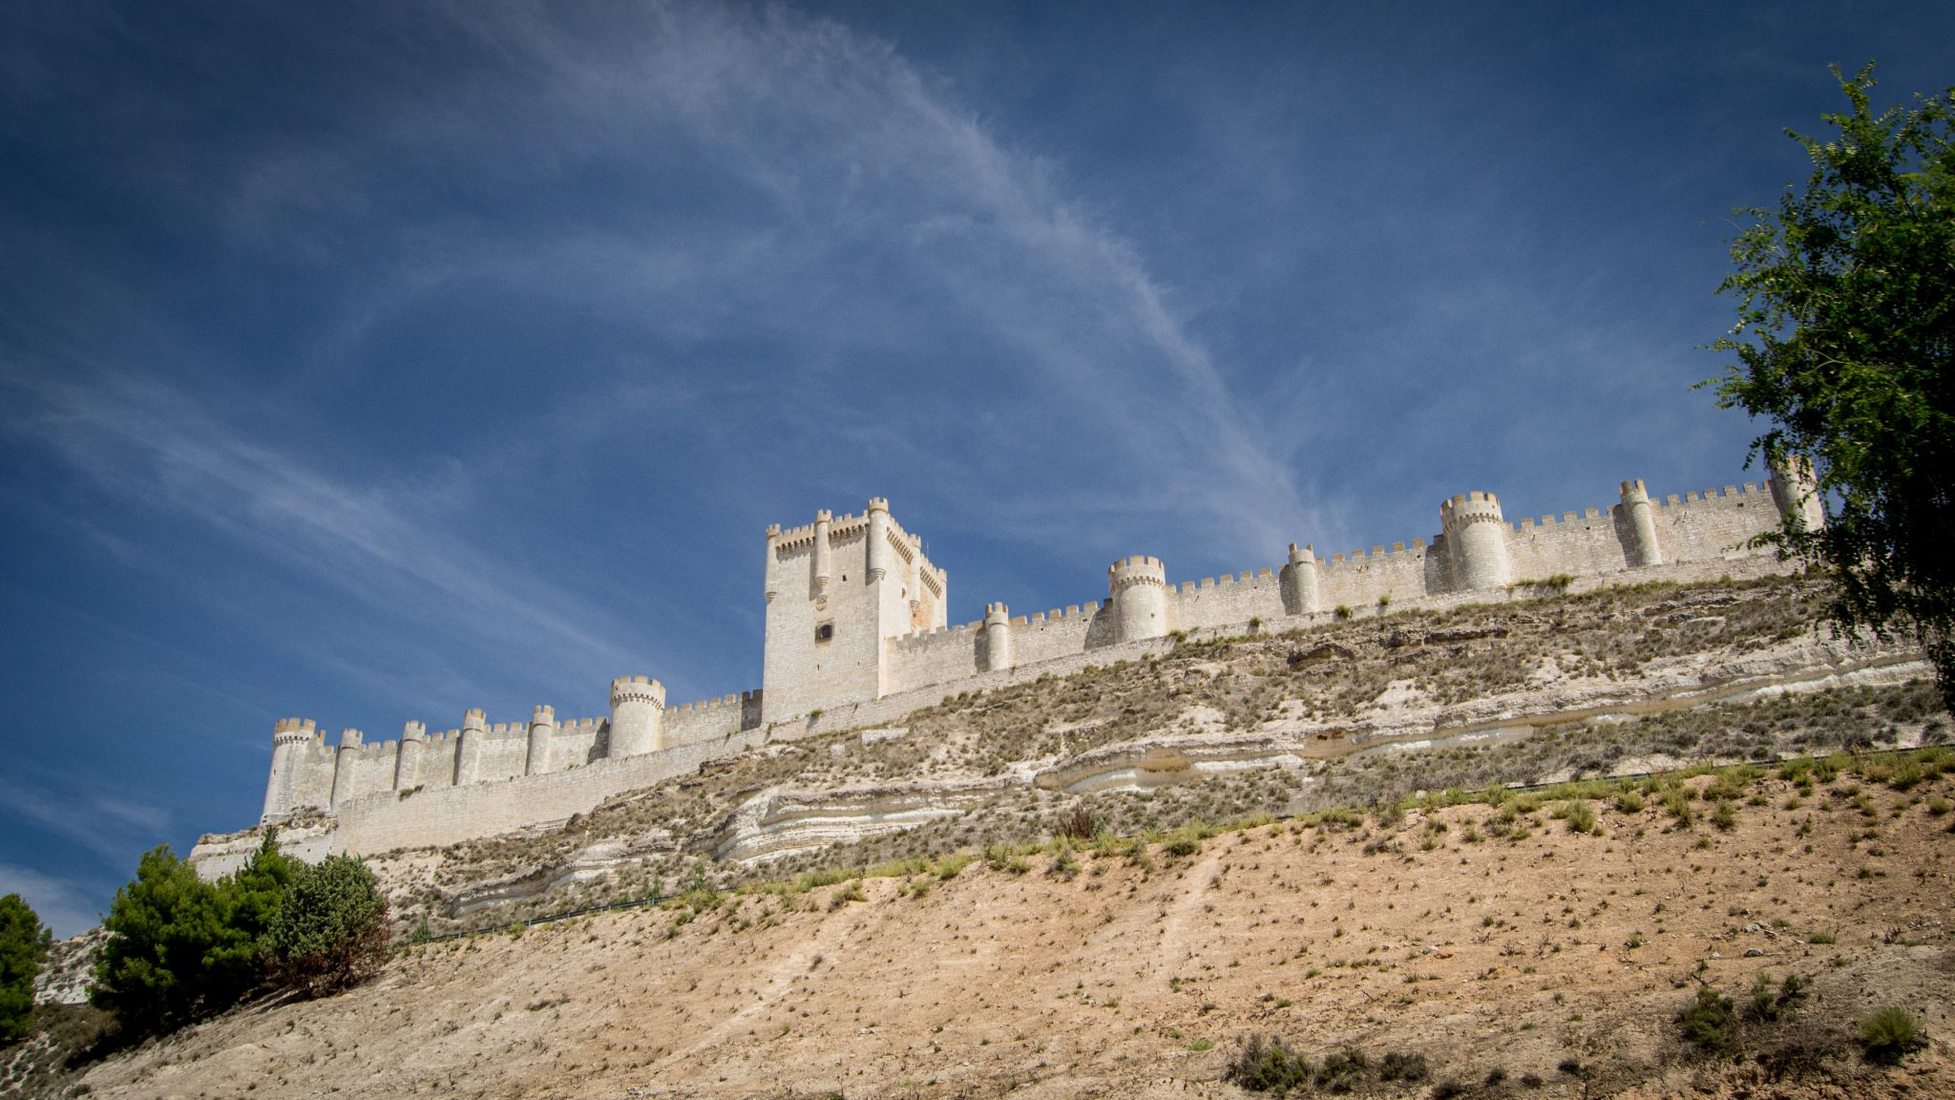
x=839, y=590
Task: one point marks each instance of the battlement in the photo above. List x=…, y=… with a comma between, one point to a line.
x=1137, y=569
x=856, y=624
x=1748, y=489
x=1467, y=509
x=294, y=729
x=637, y=689
x=731, y=701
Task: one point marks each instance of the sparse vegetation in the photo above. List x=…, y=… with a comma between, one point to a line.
x=1709, y=1022
x=1890, y=1034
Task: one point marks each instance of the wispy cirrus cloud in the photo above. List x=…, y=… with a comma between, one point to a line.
x=386, y=545
x=67, y=906
x=813, y=180
x=98, y=821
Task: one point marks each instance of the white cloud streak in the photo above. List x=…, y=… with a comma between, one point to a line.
x=64, y=905
x=840, y=145
x=386, y=545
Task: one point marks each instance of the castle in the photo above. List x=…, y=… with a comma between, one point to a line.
x=856, y=634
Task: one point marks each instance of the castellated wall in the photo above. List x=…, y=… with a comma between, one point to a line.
x=956, y=653
x=1691, y=529
x=331, y=777
x=433, y=818
x=856, y=636
x=1226, y=600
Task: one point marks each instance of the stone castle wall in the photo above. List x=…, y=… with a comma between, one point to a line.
x=856, y=636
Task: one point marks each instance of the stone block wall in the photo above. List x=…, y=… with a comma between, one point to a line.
x=889, y=653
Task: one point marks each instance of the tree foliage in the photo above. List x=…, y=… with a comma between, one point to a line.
x=23, y=944
x=247, y=903
x=332, y=930
x=1844, y=342
x=180, y=948
x=161, y=926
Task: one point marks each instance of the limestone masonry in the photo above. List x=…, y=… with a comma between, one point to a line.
x=856, y=634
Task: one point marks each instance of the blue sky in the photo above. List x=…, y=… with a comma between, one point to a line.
x=374, y=362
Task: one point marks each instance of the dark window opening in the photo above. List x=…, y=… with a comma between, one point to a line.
x=824, y=631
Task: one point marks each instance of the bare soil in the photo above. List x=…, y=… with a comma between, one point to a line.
x=1546, y=962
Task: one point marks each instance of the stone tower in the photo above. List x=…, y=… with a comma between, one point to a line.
x=637, y=716
x=1138, y=589
x=1639, y=526
x=1476, y=541
x=292, y=742
x=1300, y=581
x=997, y=637
x=1796, y=492
x=838, y=590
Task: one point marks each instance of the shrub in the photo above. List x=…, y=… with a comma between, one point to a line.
x=1889, y=1034
x=1579, y=815
x=1707, y=1022
x=1267, y=1064
x=23, y=944
x=1769, y=1004
x=1402, y=1067
x=1724, y=817
x=1343, y=1070
x=1080, y=824
x=331, y=932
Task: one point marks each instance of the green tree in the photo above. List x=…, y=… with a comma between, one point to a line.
x=1844, y=342
x=161, y=926
x=248, y=901
x=331, y=932
x=23, y=944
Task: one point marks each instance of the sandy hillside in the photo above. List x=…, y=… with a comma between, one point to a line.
x=1523, y=956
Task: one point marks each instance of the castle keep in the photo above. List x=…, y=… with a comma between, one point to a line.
x=856, y=633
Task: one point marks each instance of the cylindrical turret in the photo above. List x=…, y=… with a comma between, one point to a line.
x=1640, y=547
x=637, y=716
x=1476, y=540
x=468, y=754
x=824, y=556
x=1796, y=492
x=542, y=727
x=1138, y=589
x=879, y=551
x=344, y=762
x=997, y=637
x=407, y=762
x=1300, y=581
x=289, y=739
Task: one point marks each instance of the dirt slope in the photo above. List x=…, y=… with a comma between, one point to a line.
x=1110, y=974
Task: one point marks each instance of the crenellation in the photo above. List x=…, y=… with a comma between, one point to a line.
x=856, y=624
